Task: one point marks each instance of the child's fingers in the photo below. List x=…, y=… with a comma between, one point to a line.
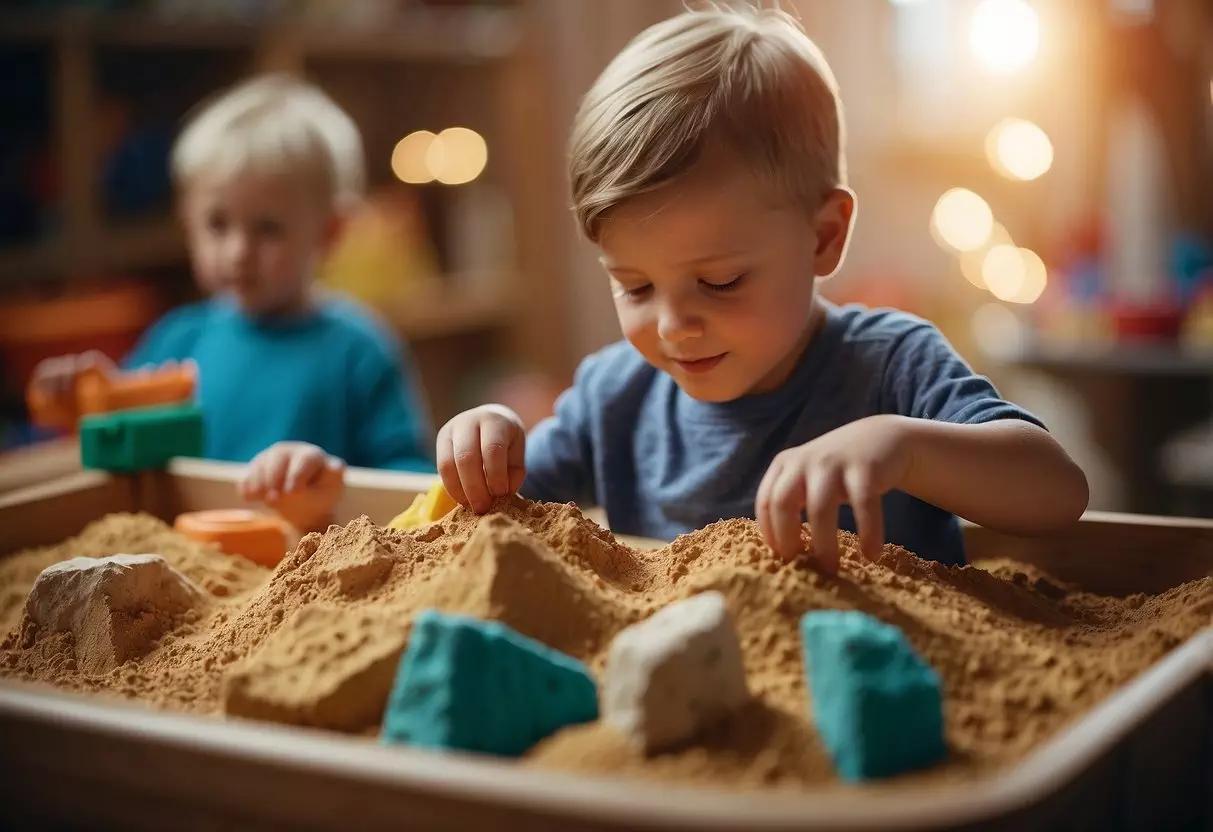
x=470, y=464
x=517, y=459
x=494, y=450
x=865, y=503
x=824, y=499
x=273, y=474
x=302, y=469
x=448, y=472
x=787, y=500
x=762, y=501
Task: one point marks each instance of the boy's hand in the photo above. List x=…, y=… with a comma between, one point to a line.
x=855, y=464
x=482, y=455
x=285, y=467
x=56, y=377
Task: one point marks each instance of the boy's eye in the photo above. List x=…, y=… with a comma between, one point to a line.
x=636, y=292
x=216, y=222
x=727, y=286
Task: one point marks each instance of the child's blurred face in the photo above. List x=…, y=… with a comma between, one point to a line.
x=256, y=238
x=715, y=284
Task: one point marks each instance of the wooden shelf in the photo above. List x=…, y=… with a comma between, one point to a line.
x=426, y=314
x=129, y=246
x=460, y=35
x=1144, y=359
x=42, y=259
x=124, y=246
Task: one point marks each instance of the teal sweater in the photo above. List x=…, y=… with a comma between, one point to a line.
x=333, y=377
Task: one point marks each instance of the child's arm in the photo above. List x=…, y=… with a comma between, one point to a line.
x=390, y=430
x=943, y=435
x=1007, y=474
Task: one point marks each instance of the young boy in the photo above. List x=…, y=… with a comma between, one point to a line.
x=706, y=163
x=265, y=173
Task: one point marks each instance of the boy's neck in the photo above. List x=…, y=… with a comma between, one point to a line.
x=297, y=308
x=781, y=372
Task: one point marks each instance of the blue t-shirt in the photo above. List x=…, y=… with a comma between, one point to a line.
x=333, y=377
x=627, y=438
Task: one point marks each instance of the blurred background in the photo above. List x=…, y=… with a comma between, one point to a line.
x=1034, y=176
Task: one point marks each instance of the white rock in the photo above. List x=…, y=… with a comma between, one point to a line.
x=673, y=674
x=113, y=607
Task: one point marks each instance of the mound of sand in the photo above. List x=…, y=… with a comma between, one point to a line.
x=1020, y=655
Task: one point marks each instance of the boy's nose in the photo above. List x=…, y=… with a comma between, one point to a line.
x=675, y=322
x=238, y=248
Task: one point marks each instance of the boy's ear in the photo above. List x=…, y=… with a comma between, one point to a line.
x=832, y=223
x=333, y=227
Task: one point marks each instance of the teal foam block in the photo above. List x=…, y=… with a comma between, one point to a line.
x=877, y=705
x=140, y=439
x=480, y=686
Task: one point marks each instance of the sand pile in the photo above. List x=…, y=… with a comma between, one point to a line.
x=313, y=641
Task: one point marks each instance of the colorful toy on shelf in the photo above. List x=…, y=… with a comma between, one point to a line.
x=140, y=439
x=426, y=508
x=383, y=252
x=99, y=392
x=258, y=536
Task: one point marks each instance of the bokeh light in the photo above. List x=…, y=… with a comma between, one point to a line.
x=962, y=220
x=1003, y=271
x=1019, y=149
x=971, y=261
x=455, y=156
x=1004, y=34
x=1013, y=274
x=409, y=158
x=463, y=156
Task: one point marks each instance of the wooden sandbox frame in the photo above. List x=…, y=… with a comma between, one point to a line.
x=1142, y=759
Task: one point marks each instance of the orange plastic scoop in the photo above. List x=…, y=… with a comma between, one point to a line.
x=98, y=392
x=257, y=536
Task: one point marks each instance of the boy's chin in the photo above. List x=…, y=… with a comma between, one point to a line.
x=710, y=392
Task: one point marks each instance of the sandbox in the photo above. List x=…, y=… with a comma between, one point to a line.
x=1063, y=707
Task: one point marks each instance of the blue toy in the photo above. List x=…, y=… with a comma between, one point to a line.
x=878, y=706
x=480, y=686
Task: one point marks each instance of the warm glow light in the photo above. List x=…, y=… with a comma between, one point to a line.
x=971, y=262
x=997, y=330
x=1004, y=34
x=1035, y=277
x=1004, y=272
x=962, y=220
x=1019, y=149
x=409, y=158
x=463, y=156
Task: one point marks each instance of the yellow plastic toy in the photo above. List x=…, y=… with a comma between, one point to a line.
x=426, y=508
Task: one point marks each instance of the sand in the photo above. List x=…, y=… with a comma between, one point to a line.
x=311, y=642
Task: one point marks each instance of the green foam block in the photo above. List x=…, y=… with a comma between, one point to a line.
x=140, y=439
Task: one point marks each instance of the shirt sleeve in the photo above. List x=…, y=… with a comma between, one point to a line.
x=391, y=430
x=559, y=450
x=927, y=379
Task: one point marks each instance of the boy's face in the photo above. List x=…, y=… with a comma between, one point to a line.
x=256, y=238
x=714, y=284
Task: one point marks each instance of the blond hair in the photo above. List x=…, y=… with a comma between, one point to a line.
x=275, y=124
x=749, y=78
